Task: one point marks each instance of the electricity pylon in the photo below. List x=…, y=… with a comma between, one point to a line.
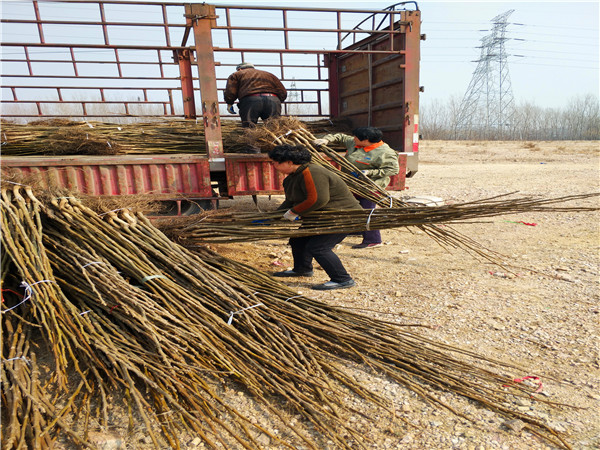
x=293, y=99
x=487, y=109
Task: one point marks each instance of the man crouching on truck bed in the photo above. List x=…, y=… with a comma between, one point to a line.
x=260, y=94
x=310, y=187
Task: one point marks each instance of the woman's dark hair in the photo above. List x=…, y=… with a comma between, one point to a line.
x=369, y=133
x=297, y=154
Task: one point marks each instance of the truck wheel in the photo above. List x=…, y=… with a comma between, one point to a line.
x=189, y=208
x=165, y=208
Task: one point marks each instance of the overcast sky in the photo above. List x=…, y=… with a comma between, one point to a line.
x=557, y=44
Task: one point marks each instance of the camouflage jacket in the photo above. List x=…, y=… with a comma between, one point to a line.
x=379, y=161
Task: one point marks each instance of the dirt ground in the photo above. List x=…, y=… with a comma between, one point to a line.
x=544, y=315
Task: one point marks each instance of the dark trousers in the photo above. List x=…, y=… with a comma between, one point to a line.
x=371, y=236
x=256, y=107
x=319, y=247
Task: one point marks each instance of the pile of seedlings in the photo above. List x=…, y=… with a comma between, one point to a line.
x=392, y=212
x=64, y=137
x=224, y=226
x=121, y=313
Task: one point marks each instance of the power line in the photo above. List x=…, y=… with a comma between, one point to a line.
x=525, y=63
x=549, y=26
x=555, y=65
x=569, y=43
x=553, y=27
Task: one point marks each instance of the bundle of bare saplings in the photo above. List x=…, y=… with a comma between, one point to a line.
x=64, y=137
x=225, y=226
x=102, y=312
x=392, y=212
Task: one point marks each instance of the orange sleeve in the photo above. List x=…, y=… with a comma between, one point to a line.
x=311, y=193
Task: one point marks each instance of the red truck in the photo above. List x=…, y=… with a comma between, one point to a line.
x=117, y=61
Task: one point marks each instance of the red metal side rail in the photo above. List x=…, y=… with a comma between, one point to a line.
x=163, y=177
x=254, y=174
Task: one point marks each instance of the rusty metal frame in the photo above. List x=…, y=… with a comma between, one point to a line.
x=179, y=97
x=396, y=113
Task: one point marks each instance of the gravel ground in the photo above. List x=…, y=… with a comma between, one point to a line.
x=542, y=315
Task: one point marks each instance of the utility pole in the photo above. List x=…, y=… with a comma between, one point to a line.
x=293, y=98
x=487, y=108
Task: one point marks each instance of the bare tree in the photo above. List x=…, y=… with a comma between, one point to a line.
x=578, y=120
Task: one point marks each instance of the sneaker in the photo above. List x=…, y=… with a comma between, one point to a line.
x=291, y=273
x=333, y=285
x=363, y=245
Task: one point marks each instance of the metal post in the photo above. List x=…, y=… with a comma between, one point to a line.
x=411, y=81
x=183, y=57
x=334, y=95
x=203, y=19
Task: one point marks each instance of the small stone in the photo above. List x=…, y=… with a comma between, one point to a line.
x=406, y=439
x=264, y=440
x=105, y=441
x=565, y=277
x=497, y=326
x=500, y=274
x=196, y=442
x=558, y=427
x=522, y=402
x=515, y=425
x=406, y=407
x=542, y=416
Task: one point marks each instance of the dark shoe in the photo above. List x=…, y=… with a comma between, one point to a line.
x=363, y=245
x=333, y=285
x=291, y=273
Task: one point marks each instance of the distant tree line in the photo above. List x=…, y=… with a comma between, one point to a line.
x=578, y=120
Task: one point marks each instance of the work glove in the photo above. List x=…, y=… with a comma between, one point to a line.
x=358, y=174
x=291, y=215
x=319, y=142
x=230, y=109
x=261, y=222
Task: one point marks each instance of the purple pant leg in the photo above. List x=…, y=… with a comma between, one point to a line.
x=371, y=236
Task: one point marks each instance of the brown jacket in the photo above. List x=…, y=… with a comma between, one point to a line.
x=313, y=188
x=252, y=81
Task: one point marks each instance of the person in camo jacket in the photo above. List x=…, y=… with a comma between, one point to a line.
x=374, y=158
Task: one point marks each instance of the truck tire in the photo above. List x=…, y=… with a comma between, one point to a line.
x=189, y=208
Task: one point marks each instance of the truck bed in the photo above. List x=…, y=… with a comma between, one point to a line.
x=162, y=177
